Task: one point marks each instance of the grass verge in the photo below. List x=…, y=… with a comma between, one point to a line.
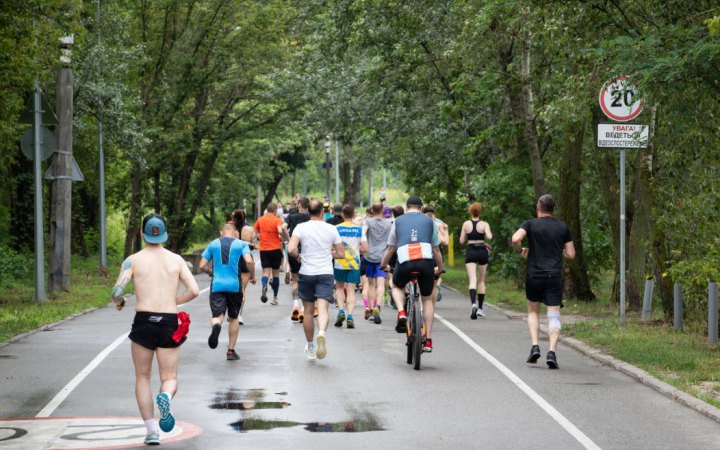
x=681, y=359
x=89, y=288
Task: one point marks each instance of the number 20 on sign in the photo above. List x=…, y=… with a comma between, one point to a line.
x=619, y=100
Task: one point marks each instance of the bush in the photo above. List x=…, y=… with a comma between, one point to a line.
x=14, y=265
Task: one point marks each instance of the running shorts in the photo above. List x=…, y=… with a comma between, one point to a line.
x=363, y=266
x=347, y=276
x=271, y=259
x=243, y=265
x=153, y=330
x=294, y=264
x=313, y=287
x=426, y=277
x=373, y=271
x=545, y=288
x=220, y=302
x=476, y=253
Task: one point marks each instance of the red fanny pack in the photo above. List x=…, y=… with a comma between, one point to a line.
x=183, y=327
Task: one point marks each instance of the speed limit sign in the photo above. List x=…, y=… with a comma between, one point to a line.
x=619, y=100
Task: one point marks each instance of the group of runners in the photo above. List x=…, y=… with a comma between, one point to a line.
x=326, y=258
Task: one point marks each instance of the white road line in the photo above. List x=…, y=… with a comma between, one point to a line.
x=75, y=382
x=541, y=402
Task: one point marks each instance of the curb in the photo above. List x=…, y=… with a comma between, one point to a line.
x=48, y=326
x=634, y=372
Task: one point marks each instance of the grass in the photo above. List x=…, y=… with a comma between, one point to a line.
x=682, y=359
x=89, y=288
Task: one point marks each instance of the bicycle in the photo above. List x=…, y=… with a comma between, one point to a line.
x=415, y=323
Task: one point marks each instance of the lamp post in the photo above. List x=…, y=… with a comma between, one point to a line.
x=327, y=165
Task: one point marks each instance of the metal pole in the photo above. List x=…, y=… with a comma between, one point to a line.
x=327, y=166
x=40, y=294
x=647, y=299
x=385, y=180
x=101, y=163
x=622, y=236
x=677, y=307
x=713, y=313
x=370, y=187
x=337, y=172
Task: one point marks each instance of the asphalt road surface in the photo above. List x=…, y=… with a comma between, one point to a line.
x=73, y=387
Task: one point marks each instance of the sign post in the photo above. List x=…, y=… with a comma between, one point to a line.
x=619, y=102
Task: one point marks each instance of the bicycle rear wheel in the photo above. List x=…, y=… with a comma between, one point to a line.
x=409, y=335
x=416, y=331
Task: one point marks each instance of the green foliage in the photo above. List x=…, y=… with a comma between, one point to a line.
x=14, y=265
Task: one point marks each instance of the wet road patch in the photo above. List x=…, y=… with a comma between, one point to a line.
x=365, y=423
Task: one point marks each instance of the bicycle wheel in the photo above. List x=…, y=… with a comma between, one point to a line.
x=417, y=331
x=409, y=332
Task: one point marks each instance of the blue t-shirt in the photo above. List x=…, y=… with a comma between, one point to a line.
x=226, y=253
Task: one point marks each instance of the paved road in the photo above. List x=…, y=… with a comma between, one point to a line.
x=474, y=390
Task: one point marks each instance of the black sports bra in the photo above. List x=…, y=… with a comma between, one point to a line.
x=474, y=234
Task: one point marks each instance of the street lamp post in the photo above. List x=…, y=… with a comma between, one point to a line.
x=327, y=165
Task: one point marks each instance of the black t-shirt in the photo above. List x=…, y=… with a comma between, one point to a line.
x=547, y=237
x=336, y=220
x=295, y=218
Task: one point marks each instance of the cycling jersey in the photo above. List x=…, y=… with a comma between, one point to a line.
x=414, y=234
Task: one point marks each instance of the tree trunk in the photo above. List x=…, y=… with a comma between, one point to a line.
x=356, y=184
x=132, y=234
x=575, y=276
x=530, y=128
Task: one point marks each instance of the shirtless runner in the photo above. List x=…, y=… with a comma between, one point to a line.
x=158, y=329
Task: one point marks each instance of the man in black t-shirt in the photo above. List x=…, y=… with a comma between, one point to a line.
x=549, y=241
x=293, y=219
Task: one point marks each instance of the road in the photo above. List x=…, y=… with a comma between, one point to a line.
x=474, y=390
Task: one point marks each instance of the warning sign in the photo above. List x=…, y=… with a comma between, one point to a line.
x=611, y=135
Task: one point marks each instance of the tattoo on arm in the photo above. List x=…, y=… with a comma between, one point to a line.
x=123, y=279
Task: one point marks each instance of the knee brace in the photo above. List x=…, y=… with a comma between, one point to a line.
x=554, y=320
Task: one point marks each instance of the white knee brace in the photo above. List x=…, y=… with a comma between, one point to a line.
x=554, y=320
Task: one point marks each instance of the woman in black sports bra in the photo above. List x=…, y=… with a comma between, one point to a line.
x=474, y=233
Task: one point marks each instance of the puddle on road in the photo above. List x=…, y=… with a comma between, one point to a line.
x=244, y=399
x=248, y=405
x=367, y=423
x=8, y=357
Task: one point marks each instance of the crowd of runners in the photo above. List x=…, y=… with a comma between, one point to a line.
x=330, y=254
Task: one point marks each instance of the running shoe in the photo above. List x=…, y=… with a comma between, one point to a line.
x=274, y=302
x=287, y=277
x=310, y=351
x=315, y=312
x=474, y=311
x=152, y=439
x=340, y=319
x=167, y=421
x=367, y=313
x=534, y=354
x=371, y=318
x=401, y=326
x=552, y=360
x=321, y=346
x=376, y=316
x=240, y=320
x=232, y=356
x=350, y=322
x=481, y=312
x=213, y=339
x=301, y=316
x=427, y=345
x=295, y=314
x=263, y=296
x=439, y=296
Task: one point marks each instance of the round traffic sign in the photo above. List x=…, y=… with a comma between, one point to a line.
x=47, y=143
x=619, y=100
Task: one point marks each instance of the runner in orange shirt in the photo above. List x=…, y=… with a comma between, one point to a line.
x=271, y=234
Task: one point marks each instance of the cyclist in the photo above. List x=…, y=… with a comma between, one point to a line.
x=415, y=239
x=474, y=233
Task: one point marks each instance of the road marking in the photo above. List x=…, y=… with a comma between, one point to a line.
x=534, y=396
x=75, y=382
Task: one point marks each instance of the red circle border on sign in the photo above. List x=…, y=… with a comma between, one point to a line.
x=605, y=109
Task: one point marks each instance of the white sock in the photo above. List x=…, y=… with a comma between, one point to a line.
x=321, y=333
x=151, y=426
x=296, y=303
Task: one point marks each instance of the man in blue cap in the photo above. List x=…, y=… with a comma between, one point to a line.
x=158, y=329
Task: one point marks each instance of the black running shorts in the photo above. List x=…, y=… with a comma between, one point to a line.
x=153, y=330
x=545, y=288
x=220, y=302
x=294, y=264
x=243, y=265
x=476, y=253
x=363, y=266
x=271, y=259
x=426, y=277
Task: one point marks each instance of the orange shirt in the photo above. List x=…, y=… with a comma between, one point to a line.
x=267, y=228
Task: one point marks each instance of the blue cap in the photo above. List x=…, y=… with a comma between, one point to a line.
x=154, y=229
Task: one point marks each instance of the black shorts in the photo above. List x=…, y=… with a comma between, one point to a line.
x=153, y=330
x=426, y=277
x=294, y=264
x=243, y=265
x=476, y=253
x=226, y=301
x=545, y=288
x=313, y=287
x=363, y=267
x=393, y=260
x=271, y=259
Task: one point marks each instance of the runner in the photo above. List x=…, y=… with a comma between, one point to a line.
x=158, y=330
x=337, y=217
x=396, y=211
x=475, y=232
x=228, y=256
x=347, y=270
x=326, y=209
x=320, y=243
x=414, y=237
x=363, y=287
x=270, y=231
x=248, y=235
x=549, y=241
x=300, y=215
x=377, y=230
x=444, y=237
